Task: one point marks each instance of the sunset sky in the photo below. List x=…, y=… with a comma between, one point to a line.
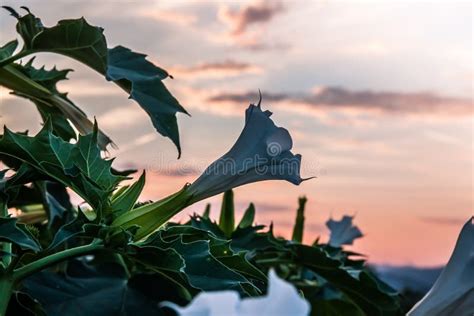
x=376, y=95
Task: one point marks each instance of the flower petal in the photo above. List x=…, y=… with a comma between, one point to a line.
x=209, y=304
x=262, y=152
x=278, y=142
x=453, y=291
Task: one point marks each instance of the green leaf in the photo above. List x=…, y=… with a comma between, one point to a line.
x=61, y=126
x=248, y=218
x=222, y=251
x=78, y=166
x=202, y=270
x=298, y=229
x=74, y=38
x=22, y=303
x=124, y=173
x=140, y=78
x=152, y=216
x=28, y=25
x=226, y=219
x=91, y=290
x=56, y=201
x=125, y=201
x=126, y=67
x=207, y=225
x=143, y=81
x=39, y=86
x=157, y=258
x=59, y=107
x=207, y=211
x=250, y=238
x=72, y=229
x=47, y=78
x=17, y=234
x=8, y=49
x=364, y=290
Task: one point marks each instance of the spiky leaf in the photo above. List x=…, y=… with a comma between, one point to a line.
x=143, y=81
x=78, y=166
x=298, y=229
x=124, y=202
x=140, y=78
x=227, y=217
x=17, y=234
x=248, y=217
x=90, y=290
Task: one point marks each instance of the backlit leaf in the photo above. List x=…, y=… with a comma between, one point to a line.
x=15, y=233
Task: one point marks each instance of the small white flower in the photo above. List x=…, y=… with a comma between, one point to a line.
x=262, y=152
x=209, y=304
x=342, y=232
x=453, y=291
x=282, y=300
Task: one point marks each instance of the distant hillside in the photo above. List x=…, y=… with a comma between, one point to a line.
x=408, y=278
x=411, y=282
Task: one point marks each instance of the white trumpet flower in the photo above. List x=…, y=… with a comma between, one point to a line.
x=282, y=300
x=453, y=291
x=262, y=152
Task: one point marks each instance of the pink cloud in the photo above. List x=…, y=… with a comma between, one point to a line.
x=443, y=220
x=168, y=16
x=219, y=69
x=335, y=98
x=247, y=24
x=257, y=13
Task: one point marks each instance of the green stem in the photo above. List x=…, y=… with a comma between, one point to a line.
x=152, y=216
x=272, y=261
x=6, y=247
x=55, y=258
x=6, y=290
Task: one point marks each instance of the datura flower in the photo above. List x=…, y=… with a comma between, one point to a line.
x=453, y=291
x=282, y=299
x=262, y=152
x=342, y=232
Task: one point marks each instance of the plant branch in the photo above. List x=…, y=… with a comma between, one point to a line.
x=55, y=258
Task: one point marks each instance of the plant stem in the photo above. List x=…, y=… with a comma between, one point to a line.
x=6, y=289
x=50, y=260
x=152, y=216
x=6, y=247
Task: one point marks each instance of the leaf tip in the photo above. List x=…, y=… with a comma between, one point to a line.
x=12, y=11
x=26, y=9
